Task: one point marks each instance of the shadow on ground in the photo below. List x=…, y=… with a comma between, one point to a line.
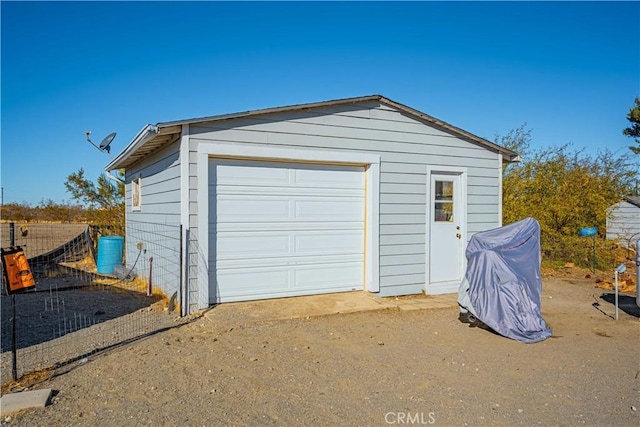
x=626, y=303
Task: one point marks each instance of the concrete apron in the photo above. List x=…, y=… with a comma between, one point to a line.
x=325, y=304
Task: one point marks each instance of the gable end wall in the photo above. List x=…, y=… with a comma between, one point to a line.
x=157, y=225
x=623, y=222
x=406, y=147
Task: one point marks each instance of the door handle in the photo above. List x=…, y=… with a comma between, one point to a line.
x=458, y=235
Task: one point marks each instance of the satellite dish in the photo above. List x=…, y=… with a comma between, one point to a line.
x=105, y=144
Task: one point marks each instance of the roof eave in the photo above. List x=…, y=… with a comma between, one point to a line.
x=511, y=156
x=250, y=113
x=146, y=134
x=633, y=200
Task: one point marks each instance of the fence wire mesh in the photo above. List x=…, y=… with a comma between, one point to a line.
x=75, y=311
x=197, y=274
x=153, y=253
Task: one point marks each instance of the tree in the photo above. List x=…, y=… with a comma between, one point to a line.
x=518, y=140
x=633, y=131
x=104, y=201
x=564, y=189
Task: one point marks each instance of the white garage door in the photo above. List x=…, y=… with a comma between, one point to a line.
x=284, y=229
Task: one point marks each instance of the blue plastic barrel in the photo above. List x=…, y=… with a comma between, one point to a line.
x=110, y=250
x=588, y=232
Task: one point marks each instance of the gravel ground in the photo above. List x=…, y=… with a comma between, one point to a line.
x=373, y=368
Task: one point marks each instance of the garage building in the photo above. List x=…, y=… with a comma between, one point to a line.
x=351, y=194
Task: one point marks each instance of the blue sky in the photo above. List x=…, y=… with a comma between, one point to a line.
x=569, y=70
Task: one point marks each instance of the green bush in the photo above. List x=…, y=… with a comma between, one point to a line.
x=564, y=190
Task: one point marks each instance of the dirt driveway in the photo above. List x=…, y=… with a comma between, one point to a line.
x=372, y=368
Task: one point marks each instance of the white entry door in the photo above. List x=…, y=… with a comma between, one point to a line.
x=446, y=232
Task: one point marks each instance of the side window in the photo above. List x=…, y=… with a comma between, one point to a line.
x=136, y=194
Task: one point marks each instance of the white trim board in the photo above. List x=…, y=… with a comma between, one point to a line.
x=184, y=216
x=207, y=150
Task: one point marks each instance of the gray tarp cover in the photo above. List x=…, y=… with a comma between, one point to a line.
x=502, y=285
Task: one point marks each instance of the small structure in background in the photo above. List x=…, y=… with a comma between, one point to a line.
x=623, y=221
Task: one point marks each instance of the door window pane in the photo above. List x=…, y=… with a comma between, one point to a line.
x=443, y=201
x=444, y=190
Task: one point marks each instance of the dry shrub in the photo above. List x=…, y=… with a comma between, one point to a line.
x=27, y=381
x=87, y=264
x=558, y=250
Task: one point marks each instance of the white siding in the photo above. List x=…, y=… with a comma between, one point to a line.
x=157, y=224
x=406, y=147
x=160, y=175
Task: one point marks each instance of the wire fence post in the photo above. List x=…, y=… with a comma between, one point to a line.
x=12, y=234
x=14, y=345
x=150, y=288
x=182, y=273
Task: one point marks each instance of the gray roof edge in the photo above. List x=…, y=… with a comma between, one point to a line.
x=450, y=127
x=250, y=113
x=145, y=134
x=151, y=130
x=634, y=200
x=354, y=100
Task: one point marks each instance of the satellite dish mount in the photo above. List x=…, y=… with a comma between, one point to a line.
x=105, y=144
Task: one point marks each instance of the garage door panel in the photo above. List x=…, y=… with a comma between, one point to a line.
x=246, y=246
x=339, y=277
x=344, y=178
x=257, y=209
x=287, y=174
x=261, y=209
x=258, y=281
x=273, y=282
x=252, y=227
x=273, y=245
x=260, y=190
x=337, y=243
x=345, y=209
x=291, y=262
x=235, y=174
x=282, y=229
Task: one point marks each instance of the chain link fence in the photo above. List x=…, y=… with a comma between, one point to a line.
x=75, y=311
